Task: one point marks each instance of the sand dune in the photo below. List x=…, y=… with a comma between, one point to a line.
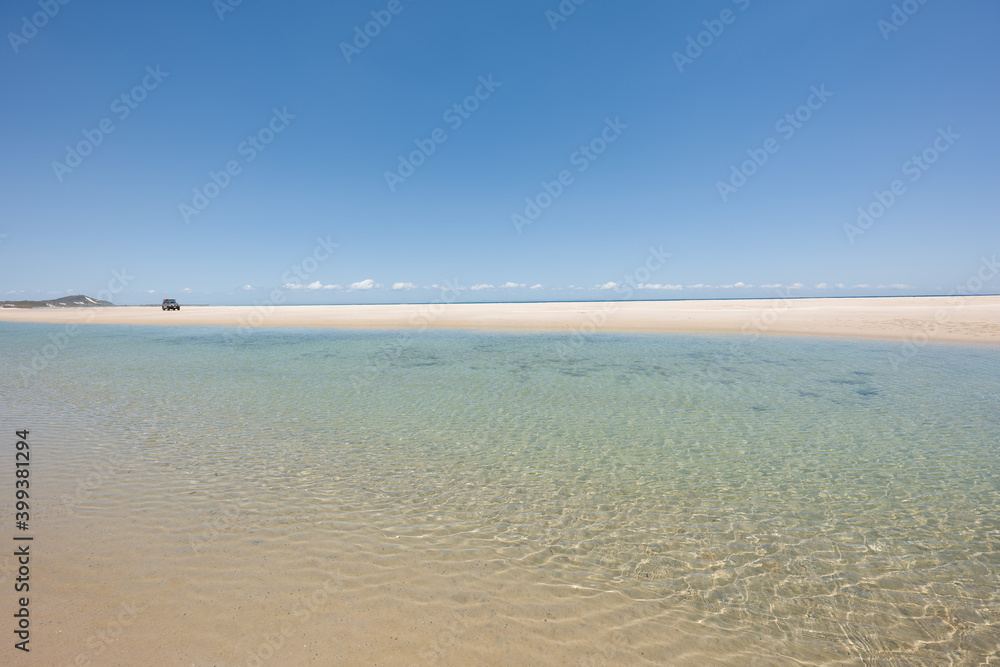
x=975, y=318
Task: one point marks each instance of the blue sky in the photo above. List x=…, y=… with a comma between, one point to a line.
x=643, y=110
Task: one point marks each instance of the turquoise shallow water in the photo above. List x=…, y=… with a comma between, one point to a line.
x=797, y=500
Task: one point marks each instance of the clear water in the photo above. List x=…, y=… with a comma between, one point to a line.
x=505, y=498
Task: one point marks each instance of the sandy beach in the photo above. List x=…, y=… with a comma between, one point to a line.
x=968, y=319
x=382, y=496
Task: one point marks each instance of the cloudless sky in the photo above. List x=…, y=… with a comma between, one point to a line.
x=125, y=217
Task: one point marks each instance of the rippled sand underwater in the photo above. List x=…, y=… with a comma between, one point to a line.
x=322, y=497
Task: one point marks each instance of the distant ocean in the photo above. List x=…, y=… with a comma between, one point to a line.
x=614, y=498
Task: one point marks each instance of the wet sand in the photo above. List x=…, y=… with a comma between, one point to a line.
x=968, y=319
x=202, y=503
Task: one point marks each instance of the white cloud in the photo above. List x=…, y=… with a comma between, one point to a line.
x=821, y=286
x=898, y=286
x=403, y=286
x=364, y=284
x=772, y=286
x=187, y=290
x=607, y=285
x=247, y=288
x=735, y=285
x=508, y=285
x=536, y=286
x=796, y=286
x=840, y=285
x=657, y=286
x=151, y=291
x=313, y=286
x=699, y=286
x=482, y=286
x=862, y=286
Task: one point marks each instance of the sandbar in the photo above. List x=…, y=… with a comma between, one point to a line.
x=919, y=319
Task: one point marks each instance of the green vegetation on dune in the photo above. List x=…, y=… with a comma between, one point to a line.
x=75, y=301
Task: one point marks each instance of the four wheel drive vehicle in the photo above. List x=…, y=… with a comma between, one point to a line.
x=171, y=304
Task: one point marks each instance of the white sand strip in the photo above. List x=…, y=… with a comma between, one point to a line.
x=971, y=319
